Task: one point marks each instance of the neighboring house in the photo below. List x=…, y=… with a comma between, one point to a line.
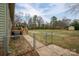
x=6, y=21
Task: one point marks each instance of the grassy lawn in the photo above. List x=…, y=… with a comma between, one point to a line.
x=64, y=38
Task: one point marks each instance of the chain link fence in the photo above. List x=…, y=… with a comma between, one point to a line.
x=46, y=38
x=62, y=40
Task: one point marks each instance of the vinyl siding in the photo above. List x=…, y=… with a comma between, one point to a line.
x=5, y=25
x=2, y=20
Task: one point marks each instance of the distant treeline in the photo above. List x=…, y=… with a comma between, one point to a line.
x=37, y=22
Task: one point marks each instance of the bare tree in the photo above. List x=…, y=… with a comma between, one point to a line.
x=30, y=23
x=34, y=21
x=66, y=21
x=40, y=21
x=73, y=8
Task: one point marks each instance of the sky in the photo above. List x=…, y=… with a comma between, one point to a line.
x=45, y=10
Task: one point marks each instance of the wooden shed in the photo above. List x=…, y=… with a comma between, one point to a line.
x=71, y=28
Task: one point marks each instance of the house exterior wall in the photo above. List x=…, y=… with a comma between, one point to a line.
x=8, y=25
x=5, y=25
x=2, y=21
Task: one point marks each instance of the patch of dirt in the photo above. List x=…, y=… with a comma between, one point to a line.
x=20, y=47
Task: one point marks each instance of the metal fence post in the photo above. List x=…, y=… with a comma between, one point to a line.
x=51, y=38
x=46, y=38
x=34, y=38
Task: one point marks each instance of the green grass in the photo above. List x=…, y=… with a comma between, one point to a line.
x=64, y=38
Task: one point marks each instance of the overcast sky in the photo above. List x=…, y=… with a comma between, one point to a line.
x=46, y=10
